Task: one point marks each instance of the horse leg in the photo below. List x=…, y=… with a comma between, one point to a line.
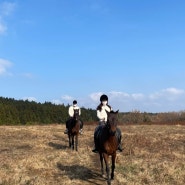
x=76, y=142
x=73, y=142
x=113, y=165
x=106, y=159
x=69, y=140
x=101, y=161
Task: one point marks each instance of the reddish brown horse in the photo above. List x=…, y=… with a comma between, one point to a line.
x=108, y=144
x=73, y=130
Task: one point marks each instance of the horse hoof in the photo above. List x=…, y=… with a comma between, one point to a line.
x=103, y=175
x=108, y=182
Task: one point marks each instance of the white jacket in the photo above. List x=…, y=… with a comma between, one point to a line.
x=71, y=110
x=101, y=114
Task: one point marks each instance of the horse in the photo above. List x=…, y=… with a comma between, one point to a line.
x=108, y=144
x=73, y=130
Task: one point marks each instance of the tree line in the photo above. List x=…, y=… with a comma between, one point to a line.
x=24, y=112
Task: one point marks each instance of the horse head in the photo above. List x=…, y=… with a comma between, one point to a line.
x=112, y=121
x=76, y=114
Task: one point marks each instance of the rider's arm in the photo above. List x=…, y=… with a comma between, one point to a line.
x=108, y=108
x=71, y=111
x=101, y=115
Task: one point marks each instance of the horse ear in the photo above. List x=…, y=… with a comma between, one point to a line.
x=117, y=111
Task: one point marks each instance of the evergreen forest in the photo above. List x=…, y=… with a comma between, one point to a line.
x=24, y=112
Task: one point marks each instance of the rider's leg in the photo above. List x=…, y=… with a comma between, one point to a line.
x=81, y=127
x=119, y=140
x=95, y=149
x=67, y=126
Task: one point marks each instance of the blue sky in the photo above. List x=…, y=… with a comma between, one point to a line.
x=61, y=50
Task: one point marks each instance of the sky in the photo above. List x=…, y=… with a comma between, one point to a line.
x=63, y=50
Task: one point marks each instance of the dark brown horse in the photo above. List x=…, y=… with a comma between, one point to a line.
x=73, y=130
x=108, y=144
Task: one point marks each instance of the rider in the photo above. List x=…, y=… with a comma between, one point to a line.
x=102, y=116
x=71, y=114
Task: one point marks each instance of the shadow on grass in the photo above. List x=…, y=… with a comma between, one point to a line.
x=62, y=137
x=58, y=146
x=81, y=172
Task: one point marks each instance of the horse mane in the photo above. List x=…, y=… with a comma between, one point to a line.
x=113, y=112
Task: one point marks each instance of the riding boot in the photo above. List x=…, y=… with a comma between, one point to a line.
x=120, y=149
x=66, y=131
x=118, y=135
x=95, y=150
x=67, y=126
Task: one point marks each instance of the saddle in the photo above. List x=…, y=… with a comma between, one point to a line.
x=71, y=122
x=99, y=129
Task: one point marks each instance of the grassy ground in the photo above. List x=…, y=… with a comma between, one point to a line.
x=39, y=155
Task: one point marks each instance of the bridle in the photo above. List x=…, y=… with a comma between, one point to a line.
x=76, y=114
x=109, y=125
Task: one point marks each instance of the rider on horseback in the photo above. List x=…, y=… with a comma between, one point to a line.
x=71, y=114
x=102, y=116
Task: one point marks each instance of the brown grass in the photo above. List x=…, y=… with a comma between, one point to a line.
x=39, y=155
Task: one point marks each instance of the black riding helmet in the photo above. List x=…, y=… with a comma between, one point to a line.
x=74, y=102
x=104, y=98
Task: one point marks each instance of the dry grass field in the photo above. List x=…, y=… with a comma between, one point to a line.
x=39, y=155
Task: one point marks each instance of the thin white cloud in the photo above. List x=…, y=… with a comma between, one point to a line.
x=57, y=102
x=4, y=66
x=30, y=98
x=6, y=9
x=173, y=91
x=67, y=98
x=95, y=96
x=154, y=96
x=96, y=6
x=168, y=94
x=169, y=99
x=137, y=96
x=115, y=94
x=165, y=100
x=27, y=75
x=3, y=28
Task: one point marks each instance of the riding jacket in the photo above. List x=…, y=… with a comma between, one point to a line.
x=101, y=112
x=71, y=110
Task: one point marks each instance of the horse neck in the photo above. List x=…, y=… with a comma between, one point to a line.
x=75, y=117
x=108, y=141
x=75, y=126
x=111, y=129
